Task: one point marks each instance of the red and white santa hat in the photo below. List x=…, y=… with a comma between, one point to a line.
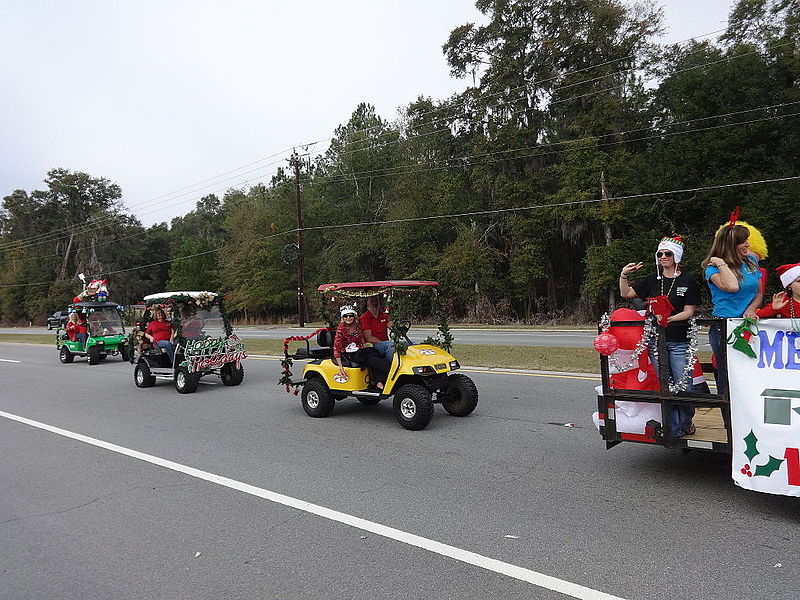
x=788, y=273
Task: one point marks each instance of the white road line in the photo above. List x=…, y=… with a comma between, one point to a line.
x=9, y=360
x=484, y=562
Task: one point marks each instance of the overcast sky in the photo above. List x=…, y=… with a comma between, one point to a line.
x=160, y=95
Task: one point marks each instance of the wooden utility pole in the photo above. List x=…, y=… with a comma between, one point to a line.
x=295, y=163
x=612, y=297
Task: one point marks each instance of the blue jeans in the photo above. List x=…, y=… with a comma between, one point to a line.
x=82, y=337
x=717, y=343
x=682, y=415
x=167, y=345
x=385, y=349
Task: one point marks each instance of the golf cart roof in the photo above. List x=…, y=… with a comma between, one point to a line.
x=95, y=305
x=167, y=295
x=378, y=286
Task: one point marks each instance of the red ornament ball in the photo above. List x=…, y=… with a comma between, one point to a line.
x=606, y=344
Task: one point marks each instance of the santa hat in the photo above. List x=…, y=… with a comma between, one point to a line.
x=788, y=273
x=674, y=244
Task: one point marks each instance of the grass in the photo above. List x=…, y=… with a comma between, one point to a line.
x=543, y=358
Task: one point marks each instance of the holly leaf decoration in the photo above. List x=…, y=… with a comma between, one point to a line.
x=751, y=451
x=773, y=464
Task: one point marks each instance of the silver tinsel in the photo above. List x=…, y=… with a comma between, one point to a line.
x=641, y=346
x=649, y=333
x=691, y=358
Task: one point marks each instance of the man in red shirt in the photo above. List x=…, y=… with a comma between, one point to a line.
x=375, y=325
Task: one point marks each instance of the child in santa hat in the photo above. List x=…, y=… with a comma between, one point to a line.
x=785, y=304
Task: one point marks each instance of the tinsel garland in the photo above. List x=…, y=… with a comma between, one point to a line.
x=641, y=345
x=287, y=362
x=691, y=358
x=650, y=333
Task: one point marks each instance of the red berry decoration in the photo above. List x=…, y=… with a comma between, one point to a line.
x=606, y=344
x=744, y=471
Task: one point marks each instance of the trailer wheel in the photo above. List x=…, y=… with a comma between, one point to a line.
x=461, y=396
x=317, y=400
x=413, y=406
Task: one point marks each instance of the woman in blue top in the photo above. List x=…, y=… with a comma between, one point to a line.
x=731, y=270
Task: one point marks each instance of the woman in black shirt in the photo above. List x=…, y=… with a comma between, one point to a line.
x=683, y=293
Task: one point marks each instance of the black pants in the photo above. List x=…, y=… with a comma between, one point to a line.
x=372, y=360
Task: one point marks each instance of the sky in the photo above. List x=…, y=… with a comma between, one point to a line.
x=176, y=99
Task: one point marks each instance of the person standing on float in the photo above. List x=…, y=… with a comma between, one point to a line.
x=732, y=272
x=683, y=293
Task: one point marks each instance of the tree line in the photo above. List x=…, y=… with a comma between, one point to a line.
x=581, y=142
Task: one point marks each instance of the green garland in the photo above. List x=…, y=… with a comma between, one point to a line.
x=443, y=339
x=396, y=333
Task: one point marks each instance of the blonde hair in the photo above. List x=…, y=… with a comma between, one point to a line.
x=724, y=247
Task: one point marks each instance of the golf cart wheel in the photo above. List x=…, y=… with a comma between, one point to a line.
x=316, y=398
x=461, y=396
x=124, y=352
x=413, y=406
x=185, y=382
x=65, y=356
x=230, y=375
x=94, y=355
x=142, y=377
x=369, y=401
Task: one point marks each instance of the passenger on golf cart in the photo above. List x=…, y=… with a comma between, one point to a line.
x=160, y=333
x=76, y=329
x=375, y=324
x=191, y=327
x=349, y=346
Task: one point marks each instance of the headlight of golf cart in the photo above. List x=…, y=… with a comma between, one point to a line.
x=426, y=370
x=454, y=365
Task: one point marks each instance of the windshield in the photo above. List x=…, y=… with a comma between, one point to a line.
x=105, y=321
x=202, y=324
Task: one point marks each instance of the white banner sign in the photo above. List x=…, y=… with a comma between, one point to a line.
x=765, y=409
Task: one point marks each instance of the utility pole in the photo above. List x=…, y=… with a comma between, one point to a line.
x=295, y=163
x=607, y=201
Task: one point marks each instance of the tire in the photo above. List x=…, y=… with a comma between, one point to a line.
x=94, y=355
x=65, y=356
x=316, y=398
x=185, y=382
x=124, y=353
x=369, y=401
x=142, y=377
x=413, y=406
x=230, y=375
x=461, y=396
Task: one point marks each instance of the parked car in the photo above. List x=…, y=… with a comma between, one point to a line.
x=57, y=319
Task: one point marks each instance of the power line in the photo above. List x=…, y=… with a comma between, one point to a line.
x=451, y=216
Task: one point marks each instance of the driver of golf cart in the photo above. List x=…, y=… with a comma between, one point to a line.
x=375, y=324
x=160, y=333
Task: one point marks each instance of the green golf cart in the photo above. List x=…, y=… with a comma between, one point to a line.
x=105, y=331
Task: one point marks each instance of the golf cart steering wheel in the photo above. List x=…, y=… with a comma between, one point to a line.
x=404, y=327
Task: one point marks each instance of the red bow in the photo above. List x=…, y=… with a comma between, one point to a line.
x=734, y=217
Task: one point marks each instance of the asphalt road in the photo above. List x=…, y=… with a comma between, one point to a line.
x=517, y=337
x=498, y=501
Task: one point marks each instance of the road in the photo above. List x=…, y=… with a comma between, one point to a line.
x=236, y=493
x=462, y=335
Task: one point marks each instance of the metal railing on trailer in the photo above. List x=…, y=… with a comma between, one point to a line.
x=659, y=433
